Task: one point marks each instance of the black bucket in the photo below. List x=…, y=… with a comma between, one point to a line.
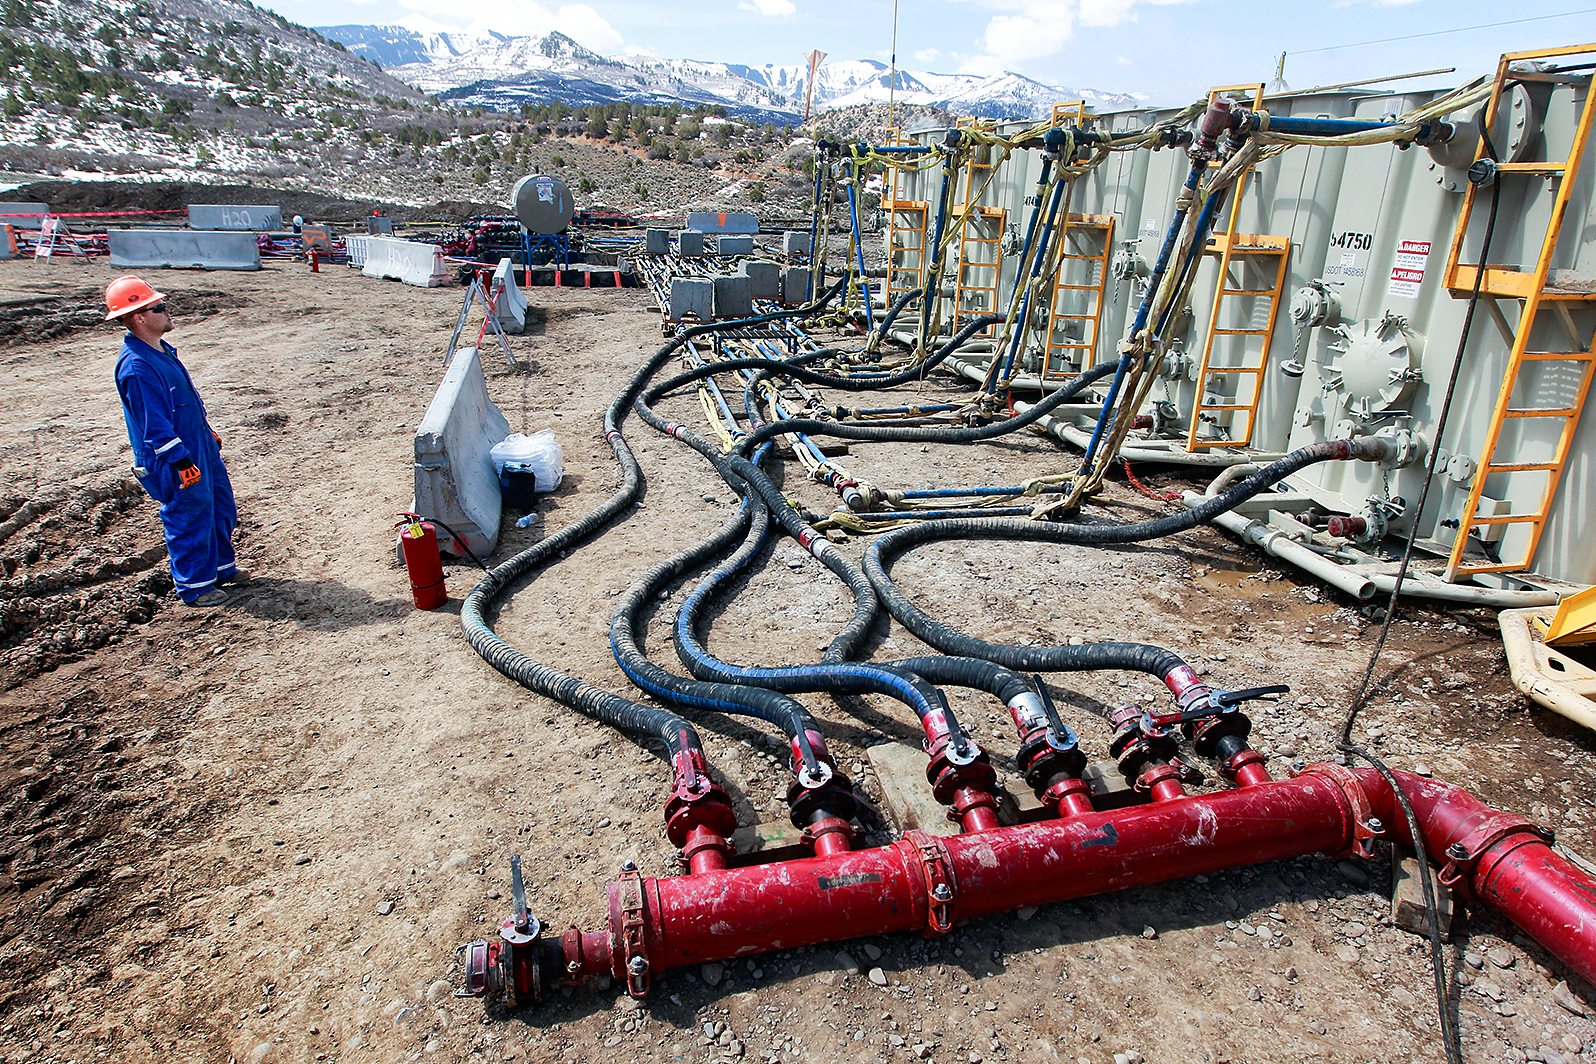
x=518, y=486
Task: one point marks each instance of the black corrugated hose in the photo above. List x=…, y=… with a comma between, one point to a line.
x=674, y=732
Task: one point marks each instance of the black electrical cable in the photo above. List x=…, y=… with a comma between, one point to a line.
x=460, y=540
x=1450, y=1036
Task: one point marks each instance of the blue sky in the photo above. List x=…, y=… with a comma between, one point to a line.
x=1170, y=50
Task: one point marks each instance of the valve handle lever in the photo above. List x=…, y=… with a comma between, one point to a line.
x=518, y=894
x=1267, y=693
x=1218, y=701
x=1055, y=723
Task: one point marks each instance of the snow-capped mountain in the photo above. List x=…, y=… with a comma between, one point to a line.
x=502, y=72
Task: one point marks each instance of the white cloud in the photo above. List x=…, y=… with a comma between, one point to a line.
x=515, y=18
x=770, y=8
x=1027, y=30
x=928, y=55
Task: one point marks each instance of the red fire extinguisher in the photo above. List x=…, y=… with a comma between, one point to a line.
x=418, y=541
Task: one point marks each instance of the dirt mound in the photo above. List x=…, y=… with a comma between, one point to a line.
x=61, y=598
x=34, y=318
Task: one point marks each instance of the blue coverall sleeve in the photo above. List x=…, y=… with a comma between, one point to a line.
x=148, y=404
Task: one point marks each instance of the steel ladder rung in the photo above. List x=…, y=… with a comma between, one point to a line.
x=1509, y=519
x=1075, y=287
x=1559, y=356
x=1566, y=412
x=1211, y=370
x=1247, y=292
x=1224, y=406
x=1555, y=169
x=1241, y=332
x=1523, y=467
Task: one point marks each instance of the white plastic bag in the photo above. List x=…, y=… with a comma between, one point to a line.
x=540, y=453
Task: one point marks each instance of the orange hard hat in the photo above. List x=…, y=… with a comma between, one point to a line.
x=127, y=294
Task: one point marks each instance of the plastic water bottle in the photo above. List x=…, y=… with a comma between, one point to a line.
x=526, y=522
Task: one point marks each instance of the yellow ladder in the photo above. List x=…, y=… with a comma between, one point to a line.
x=1074, y=110
x=906, y=247
x=1533, y=289
x=1077, y=297
x=982, y=158
x=980, y=258
x=1252, y=271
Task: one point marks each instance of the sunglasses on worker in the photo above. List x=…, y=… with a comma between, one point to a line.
x=159, y=308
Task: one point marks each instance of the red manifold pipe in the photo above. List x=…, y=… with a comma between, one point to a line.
x=925, y=883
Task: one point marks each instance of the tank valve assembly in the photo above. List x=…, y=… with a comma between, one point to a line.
x=1372, y=524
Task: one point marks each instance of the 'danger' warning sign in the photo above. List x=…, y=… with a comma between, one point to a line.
x=1407, y=271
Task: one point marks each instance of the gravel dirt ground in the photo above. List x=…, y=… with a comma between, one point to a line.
x=259, y=833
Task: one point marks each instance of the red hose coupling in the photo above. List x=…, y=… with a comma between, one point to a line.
x=1163, y=780
x=1347, y=527
x=1246, y=768
x=1214, y=123
x=1071, y=796
x=1366, y=827
x=949, y=770
x=1463, y=856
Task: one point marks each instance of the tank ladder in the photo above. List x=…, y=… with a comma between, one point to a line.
x=907, y=223
x=1078, y=296
x=1534, y=290
x=980, y=262
x=1256, y=264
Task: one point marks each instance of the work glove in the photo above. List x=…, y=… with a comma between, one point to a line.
x=215, y=436
x=188, y=474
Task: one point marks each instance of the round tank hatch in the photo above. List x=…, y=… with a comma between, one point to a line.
x=543, y=204
x=1372, y=367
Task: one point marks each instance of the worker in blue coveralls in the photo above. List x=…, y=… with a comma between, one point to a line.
x=177, y=457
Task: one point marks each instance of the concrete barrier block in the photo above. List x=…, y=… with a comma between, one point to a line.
x=690, y=243
x=735, y=245
x=8, y=242
x=148, y=249
x=734, y=297
x=656, y=242
x=19, y=213
x=455, y=482
x=693, y=296
x=723, y=222
x=230, y=217
x=764, y=278
x=405, y=260
x=795, y=285
x=795, y=243
x=509, y=310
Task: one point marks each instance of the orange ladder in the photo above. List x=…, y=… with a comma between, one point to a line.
x=1252, y=270
x=1078, y=295
x=1538, y=295
x=980, y=261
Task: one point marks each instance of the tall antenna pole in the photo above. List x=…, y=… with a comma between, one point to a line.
x=892, y=73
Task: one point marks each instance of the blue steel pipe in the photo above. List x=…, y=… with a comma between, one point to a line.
x=934, y=268
x=1016, y=336
x=1025, y=248
x=814, y=228
x=858, y=241
x=1324, y=127
x=1193, y=177
x=1205, y=222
